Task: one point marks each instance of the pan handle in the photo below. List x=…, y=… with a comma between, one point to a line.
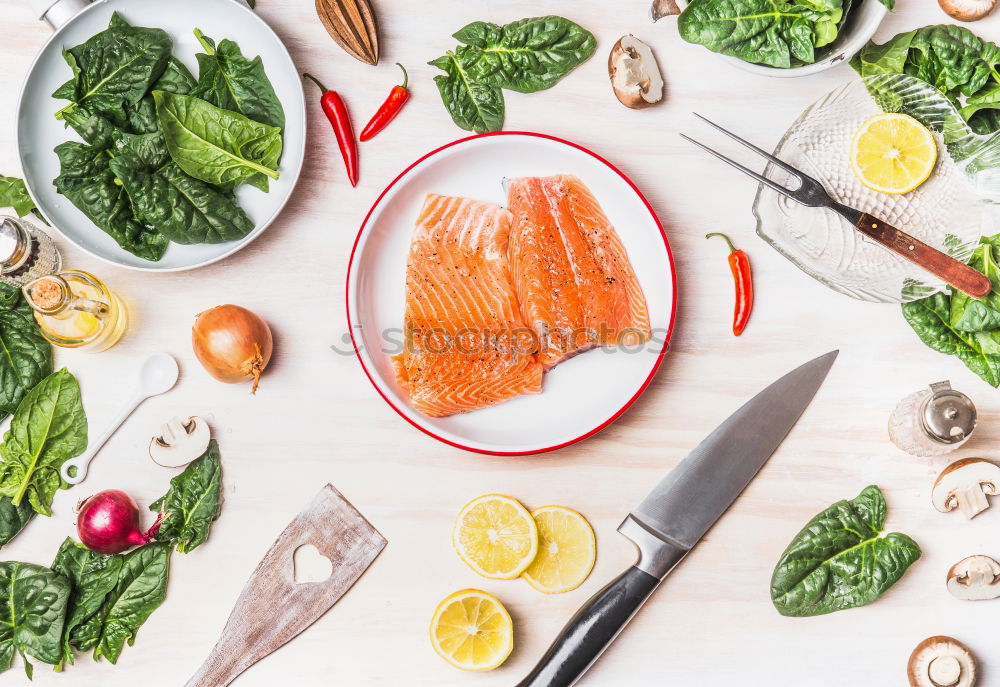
x=57, y=12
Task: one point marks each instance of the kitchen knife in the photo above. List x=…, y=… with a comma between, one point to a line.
x=677, y=514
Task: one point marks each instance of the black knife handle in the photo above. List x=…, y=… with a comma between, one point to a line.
x=591, y=630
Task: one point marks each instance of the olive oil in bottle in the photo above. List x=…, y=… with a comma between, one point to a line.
x=76, y=310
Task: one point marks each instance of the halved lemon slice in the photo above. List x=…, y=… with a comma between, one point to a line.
x=893, y=153
x=472, y=630
x=496, y=536
x=567, y=550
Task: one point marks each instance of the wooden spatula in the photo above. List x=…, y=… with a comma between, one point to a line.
x=273, y=608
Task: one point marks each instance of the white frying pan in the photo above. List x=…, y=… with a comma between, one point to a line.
x=38, y=132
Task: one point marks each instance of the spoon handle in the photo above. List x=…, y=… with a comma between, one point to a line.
x=82, y=462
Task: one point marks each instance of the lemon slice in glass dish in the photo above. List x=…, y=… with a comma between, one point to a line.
x=496, y=536
x=567, y=550
x=893, y=153
x=472, y=630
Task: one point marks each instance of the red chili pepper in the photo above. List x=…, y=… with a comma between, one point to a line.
x=739, y=263
x=336, y=112
x=389, y=109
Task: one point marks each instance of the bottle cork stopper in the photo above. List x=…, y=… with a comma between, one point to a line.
x=47, y=293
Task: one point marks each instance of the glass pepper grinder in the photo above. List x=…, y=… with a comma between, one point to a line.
x=74, y=309
x=933, y=421
x=26, y=252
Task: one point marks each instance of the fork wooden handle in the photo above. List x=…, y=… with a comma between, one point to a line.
x=947, y=268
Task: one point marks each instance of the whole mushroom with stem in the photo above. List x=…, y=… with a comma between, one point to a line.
x=941, y=662
x=975, y=578
x=965, y=484
x=967, y=10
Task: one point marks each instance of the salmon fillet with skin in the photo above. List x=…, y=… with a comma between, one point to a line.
x=573, y=277
x=466, y=343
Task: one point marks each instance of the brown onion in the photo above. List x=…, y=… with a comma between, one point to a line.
x=232, y=344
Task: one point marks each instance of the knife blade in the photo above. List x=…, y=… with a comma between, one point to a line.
x=677, y=513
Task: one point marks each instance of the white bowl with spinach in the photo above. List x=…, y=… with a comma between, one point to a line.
x=782, y=38
x=101, y=143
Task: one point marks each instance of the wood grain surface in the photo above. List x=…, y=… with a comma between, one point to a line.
x=317, y=420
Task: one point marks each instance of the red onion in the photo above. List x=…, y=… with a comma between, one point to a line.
x=108, y=522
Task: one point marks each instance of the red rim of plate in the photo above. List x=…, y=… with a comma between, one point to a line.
x=616, y=415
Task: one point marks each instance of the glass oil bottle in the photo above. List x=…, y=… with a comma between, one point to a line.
x=76, y=310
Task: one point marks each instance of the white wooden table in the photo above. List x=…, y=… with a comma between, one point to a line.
x=316, y=418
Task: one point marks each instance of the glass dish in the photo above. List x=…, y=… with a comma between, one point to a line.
x=950, y=211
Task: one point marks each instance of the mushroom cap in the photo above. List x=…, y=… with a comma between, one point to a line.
x=963, y=473
x=975, y=578
x=941, y=662
x=663, y=8
x=967, y=10
x=180, y=442
x=635, y=75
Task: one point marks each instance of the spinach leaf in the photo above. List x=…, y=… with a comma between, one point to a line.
x=771, y=32
x=176, y=78
x=139, y=590
x=217, y=146
x=14, y=194
x=13, y=518
x=969, y=314
x=181, y=207
x=951, y=58
x=117, y=66
x=930, y=318
x=92, y=576
x=473, y=105
x=527, y=55
x=103, y=135
x=229, y=80
x=87, y=181
x=25, y=355
x=193, y=502
x=839, y=561
x=49, y=428
x=32, y=607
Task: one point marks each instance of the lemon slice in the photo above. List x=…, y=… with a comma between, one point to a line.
x=567, y=550
x=496, y=536
x=472, y=630
x=893, y=153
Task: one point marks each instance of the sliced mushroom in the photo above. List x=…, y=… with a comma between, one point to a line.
x=967, y=10
x=663, y=8
x=180, y=442
x=635, y=76
x=966, y=483
x=941, y=662
x=975, y=578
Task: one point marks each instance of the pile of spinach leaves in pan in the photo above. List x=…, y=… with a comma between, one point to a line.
x=965, y=69
x=91, y=602
x=525, y=56
x=163, y=151
x=841, y=560
x=776, y=33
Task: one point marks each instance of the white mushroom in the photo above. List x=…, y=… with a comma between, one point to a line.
x=663, y=8
x=180, y=442
x=966, y=483
x=975, y=578
x=967, y=10
x=941, y=662
x=635, y=76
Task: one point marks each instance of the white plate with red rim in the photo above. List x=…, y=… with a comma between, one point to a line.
x=580, y=396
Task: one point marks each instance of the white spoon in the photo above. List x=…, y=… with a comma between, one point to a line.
x=158, y=374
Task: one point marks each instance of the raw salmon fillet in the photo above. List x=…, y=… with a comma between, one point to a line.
x=466, y=343
x=573, y=277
